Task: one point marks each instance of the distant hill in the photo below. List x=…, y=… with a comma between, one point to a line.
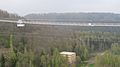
x=75, y=17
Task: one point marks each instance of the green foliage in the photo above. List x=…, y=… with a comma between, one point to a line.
x=12, y=58
x=107, y=60
x=115, y=48
x=11, y=42
x=20, y=54
x=57, y=60
x=82, y=51
x=25, y=59
x=44, y=60
x=2, y=61
x=91, y=65
x=4, y=41
x=78, y=61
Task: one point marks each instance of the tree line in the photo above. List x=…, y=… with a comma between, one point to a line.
x=83, y=43
x=4, y=14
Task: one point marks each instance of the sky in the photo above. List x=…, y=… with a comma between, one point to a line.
x=23, y=7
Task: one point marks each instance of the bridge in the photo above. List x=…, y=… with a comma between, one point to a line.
x=61, y=23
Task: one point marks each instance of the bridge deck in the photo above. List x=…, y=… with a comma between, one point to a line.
x=65, y=23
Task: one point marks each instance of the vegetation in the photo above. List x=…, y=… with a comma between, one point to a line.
x=39, y=46
x=5, y=14
x=75, y=17
x=84, y=45
x=109, y=58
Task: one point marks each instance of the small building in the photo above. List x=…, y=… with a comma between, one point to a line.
x=71, y=56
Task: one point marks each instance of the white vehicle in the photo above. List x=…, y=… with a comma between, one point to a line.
x=20, y=23
x=90, y=24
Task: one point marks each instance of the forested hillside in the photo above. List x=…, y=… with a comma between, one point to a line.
x=39, y=45
x=6, y=15
x=76, y=17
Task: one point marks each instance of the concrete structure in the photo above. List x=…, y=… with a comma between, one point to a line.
x=71, y=56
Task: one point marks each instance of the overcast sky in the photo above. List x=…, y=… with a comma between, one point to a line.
x=23, y=7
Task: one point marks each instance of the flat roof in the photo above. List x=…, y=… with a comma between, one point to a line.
x=68, y=53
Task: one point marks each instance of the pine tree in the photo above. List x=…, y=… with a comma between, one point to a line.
x=57, y=60
x=2, y=61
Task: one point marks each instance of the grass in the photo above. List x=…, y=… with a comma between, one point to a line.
x=91, y=65
x=84, y=65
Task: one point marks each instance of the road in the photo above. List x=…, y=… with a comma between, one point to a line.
x=62, y=23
